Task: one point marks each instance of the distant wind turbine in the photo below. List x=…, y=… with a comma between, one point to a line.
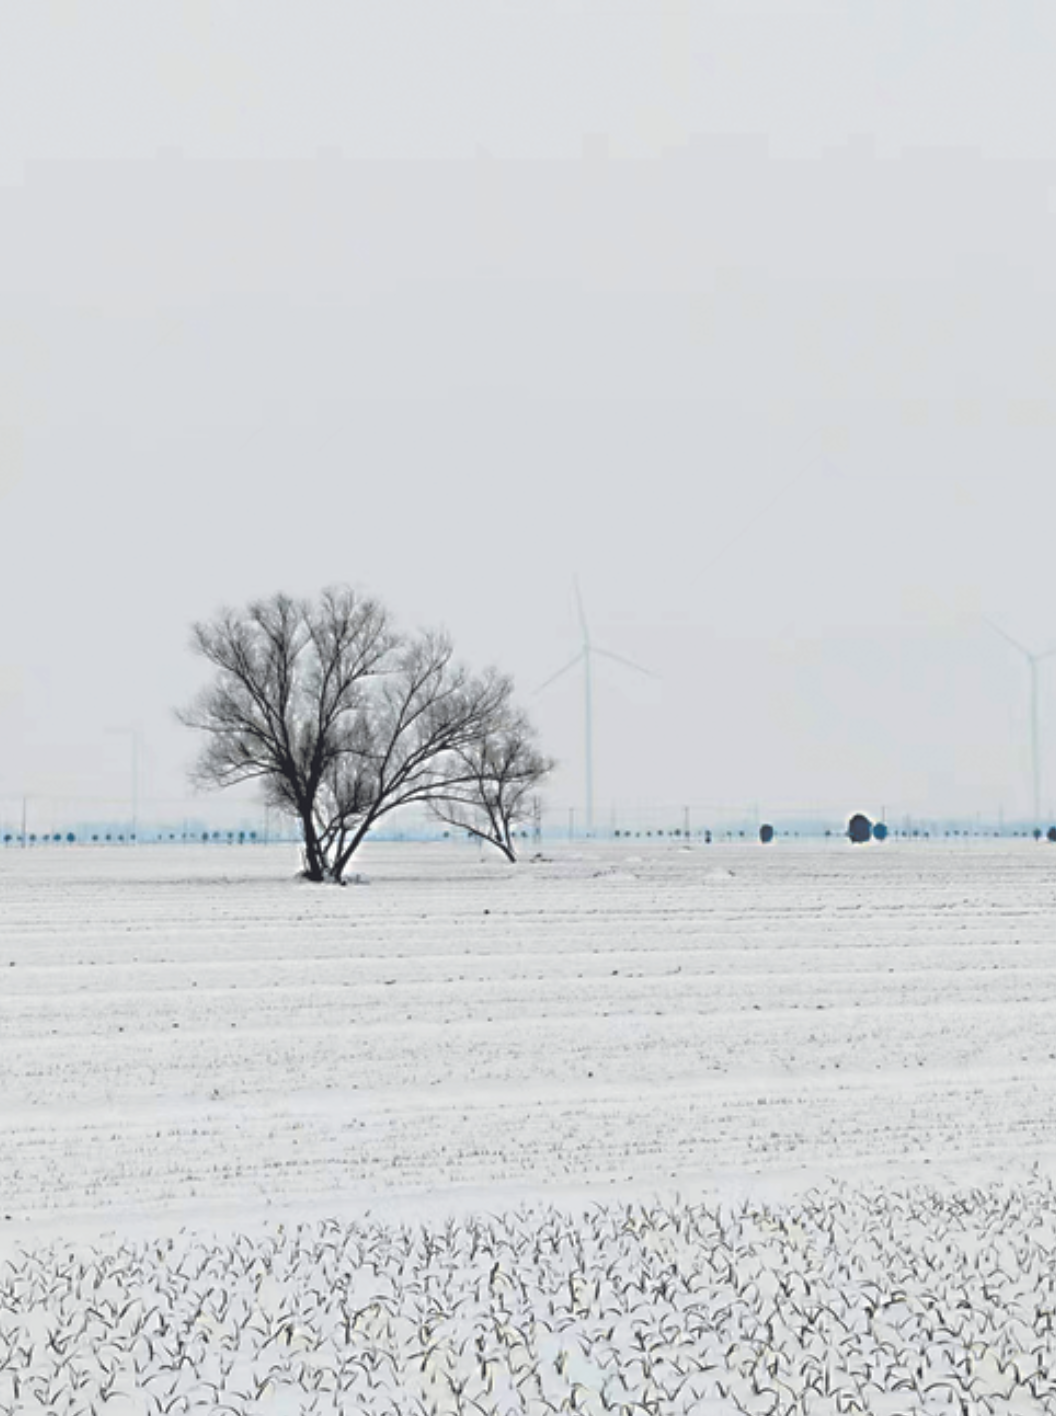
x=1033, y=660
x=587, y=651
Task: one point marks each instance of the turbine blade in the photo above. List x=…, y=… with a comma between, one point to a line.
x=582, y=613
x=1006, y=636
x=808, y=467
x=628, y=663
x=554, y=677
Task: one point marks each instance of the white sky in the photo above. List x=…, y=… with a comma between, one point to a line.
x=455, y=301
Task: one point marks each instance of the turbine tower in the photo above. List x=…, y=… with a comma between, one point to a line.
x=1033, y=660
x=586, y=653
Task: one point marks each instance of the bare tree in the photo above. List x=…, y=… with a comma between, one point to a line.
x=286, y=702
x=493, y=786
x=342, y=719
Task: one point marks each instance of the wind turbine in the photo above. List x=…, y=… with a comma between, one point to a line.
x=586, y=653
x=1033, y=660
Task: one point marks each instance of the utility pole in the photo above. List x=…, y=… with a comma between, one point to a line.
x=588, y=700
x=135, y=784
x=133, y=734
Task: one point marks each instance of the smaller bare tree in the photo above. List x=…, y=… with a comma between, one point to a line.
x=412, y=743
x=492, y=784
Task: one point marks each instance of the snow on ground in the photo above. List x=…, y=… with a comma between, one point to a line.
x=185, y=1029
x=195, y=1044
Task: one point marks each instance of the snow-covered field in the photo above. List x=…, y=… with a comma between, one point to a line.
x=220, y=1083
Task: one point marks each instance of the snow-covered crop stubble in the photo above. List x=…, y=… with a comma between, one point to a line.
x=343, y=1095
x=848, y=1300
x=185, y=1028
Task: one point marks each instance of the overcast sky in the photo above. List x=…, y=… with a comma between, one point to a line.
x=743, y=313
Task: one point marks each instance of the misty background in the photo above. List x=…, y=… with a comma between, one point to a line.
x=740, y=312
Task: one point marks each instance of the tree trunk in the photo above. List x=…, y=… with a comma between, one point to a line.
x=501, y=841
x=503, y=838
x=314, y=859
x=341, y=861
